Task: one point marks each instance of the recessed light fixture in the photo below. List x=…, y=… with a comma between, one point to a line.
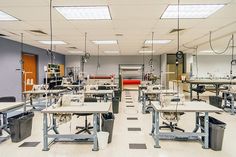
x=157, y=41
x=111, y=52
x=206, y=51
x=191, y=11
x=6, y=17
x=146, y=51
x=47, y=42
x=105, y=42
x=84, y=12
x=76, y=52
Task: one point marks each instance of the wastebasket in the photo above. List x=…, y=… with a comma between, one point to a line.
x=107, y=124
x=117, y=94
x=215, y=101
x=216, y=132
x=115, y=105
x=20, y=126
x=102, y=139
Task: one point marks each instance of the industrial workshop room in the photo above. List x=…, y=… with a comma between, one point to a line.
x=117, y=78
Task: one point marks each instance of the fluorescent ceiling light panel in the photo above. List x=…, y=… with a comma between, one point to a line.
x=105, y=42
x=47, y=42
x=206, y=51
x=6, y=17
x=191, y=11
x=157, y=41
x=76, y=52
x=146, y=51
x=111, y=52
x=84, y=13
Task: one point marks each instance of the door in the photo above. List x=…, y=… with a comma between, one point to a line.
x=29, y=76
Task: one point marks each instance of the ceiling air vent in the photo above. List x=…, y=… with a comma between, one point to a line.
x=176, y=30
x=37, y=32
x=72, y=47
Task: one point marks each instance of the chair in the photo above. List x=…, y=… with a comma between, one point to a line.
x=199, y=89
x=172, y=118
x=8, y=99
x=87, y=126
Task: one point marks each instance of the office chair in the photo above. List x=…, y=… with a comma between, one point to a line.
x=8, y=99
x=172, y=118
x=101, y=96
x=86, y=128
x=199, y=89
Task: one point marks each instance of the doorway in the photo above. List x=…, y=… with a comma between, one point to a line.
x=29, y=75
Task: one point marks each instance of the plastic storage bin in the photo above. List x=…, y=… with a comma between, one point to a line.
x=102, y=139
x=20, y=126
x=107, y=124
x=216, y=132
x=115, y=105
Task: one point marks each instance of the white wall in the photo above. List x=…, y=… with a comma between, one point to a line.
x=218, y=65
x=110, y=64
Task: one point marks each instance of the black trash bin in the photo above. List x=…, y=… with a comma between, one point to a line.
x=20, y=126
x=216, y=132
x=117, y=94
x=115, y=105
x=107, y=124
x=215, y=101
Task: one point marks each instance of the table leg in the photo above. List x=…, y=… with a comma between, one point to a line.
x=217, y=89
x=191, y=91
x=206, y=131
x=95, y=126
x=196, y=122
x=45, y=132
x=139, y=95
x=4, y=121
x=153, y=122
x=144, y=103
x=54, y=125
x=157, y=133
x=232, y=104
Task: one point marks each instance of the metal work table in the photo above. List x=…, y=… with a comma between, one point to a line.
x=40, y=92
x=216, y=83
x=96, y=108
x=157, y=95
x=195, y=107
x=5, y=108
x=103, y=92
x=74, y=87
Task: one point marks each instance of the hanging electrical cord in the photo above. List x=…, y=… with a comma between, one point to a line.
x=152, y=52
x=222, y=52
x=50, y=12
x=179, y=53
x=98, y=61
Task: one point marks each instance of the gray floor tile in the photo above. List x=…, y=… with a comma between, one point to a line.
x=137, y=146
x=134, y=129
x=132, y=118
x=29, y=144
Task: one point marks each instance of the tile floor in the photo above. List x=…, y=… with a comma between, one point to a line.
x=122, y=138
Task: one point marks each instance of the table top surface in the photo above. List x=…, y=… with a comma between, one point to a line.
x=97, y=91
x=222, y=81
x=5, y=106
x=78, y=107
x=163, y=91
x=44, y=91
x=71, y=85
x=193, y=106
